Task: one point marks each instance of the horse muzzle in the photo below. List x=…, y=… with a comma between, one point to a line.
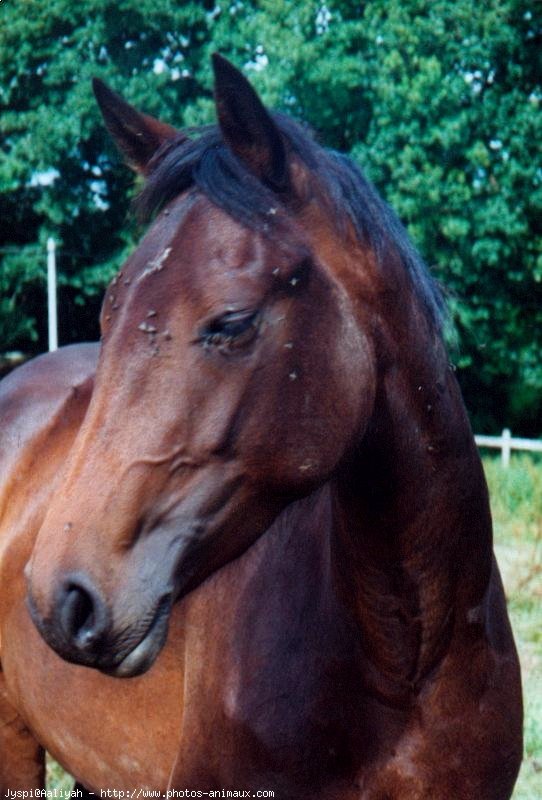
x=80, y=629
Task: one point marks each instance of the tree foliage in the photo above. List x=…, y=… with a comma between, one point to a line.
x=438, y=101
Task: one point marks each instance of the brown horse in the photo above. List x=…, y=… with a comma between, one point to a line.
x=261, y=496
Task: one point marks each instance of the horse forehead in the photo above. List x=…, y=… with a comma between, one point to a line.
x=198, y=254
x=199, y=242
x=191, y=228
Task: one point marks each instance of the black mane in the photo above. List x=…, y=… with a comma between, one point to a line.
x=205, y=162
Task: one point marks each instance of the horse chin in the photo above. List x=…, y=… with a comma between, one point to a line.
x=145, y=653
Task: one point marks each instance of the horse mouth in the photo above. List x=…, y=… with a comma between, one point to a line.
x=143, y=655
x=105, y=654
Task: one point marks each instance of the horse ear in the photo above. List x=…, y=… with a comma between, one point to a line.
x=247, y=127
x=138, y=136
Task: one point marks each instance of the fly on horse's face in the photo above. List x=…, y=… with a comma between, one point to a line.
x=223, y=390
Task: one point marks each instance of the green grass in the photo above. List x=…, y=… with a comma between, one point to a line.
x=57, y=778
x=516, y=501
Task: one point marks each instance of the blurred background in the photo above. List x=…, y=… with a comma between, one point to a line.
x=439, y=101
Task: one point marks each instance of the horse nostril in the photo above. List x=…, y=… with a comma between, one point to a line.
x=77, y=615
x=82, y=612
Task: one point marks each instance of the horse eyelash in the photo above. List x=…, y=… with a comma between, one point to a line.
x=222, y=340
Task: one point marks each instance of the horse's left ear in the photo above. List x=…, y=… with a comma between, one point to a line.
x=138, y=136
x=247, y=127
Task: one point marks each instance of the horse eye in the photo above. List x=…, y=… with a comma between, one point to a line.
x=234, y=329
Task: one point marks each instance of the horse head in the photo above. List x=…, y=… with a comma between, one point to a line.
x=236, y=373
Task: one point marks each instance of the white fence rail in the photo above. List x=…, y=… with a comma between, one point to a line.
x=506, y=443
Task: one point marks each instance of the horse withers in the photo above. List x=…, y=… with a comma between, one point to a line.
x=260, y=500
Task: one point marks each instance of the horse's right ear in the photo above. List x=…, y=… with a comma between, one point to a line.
x=138, y=136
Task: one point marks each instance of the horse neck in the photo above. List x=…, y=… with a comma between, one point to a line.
x=412, y=513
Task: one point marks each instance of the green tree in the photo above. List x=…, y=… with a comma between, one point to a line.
x=438, y=100
x=59, y=173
